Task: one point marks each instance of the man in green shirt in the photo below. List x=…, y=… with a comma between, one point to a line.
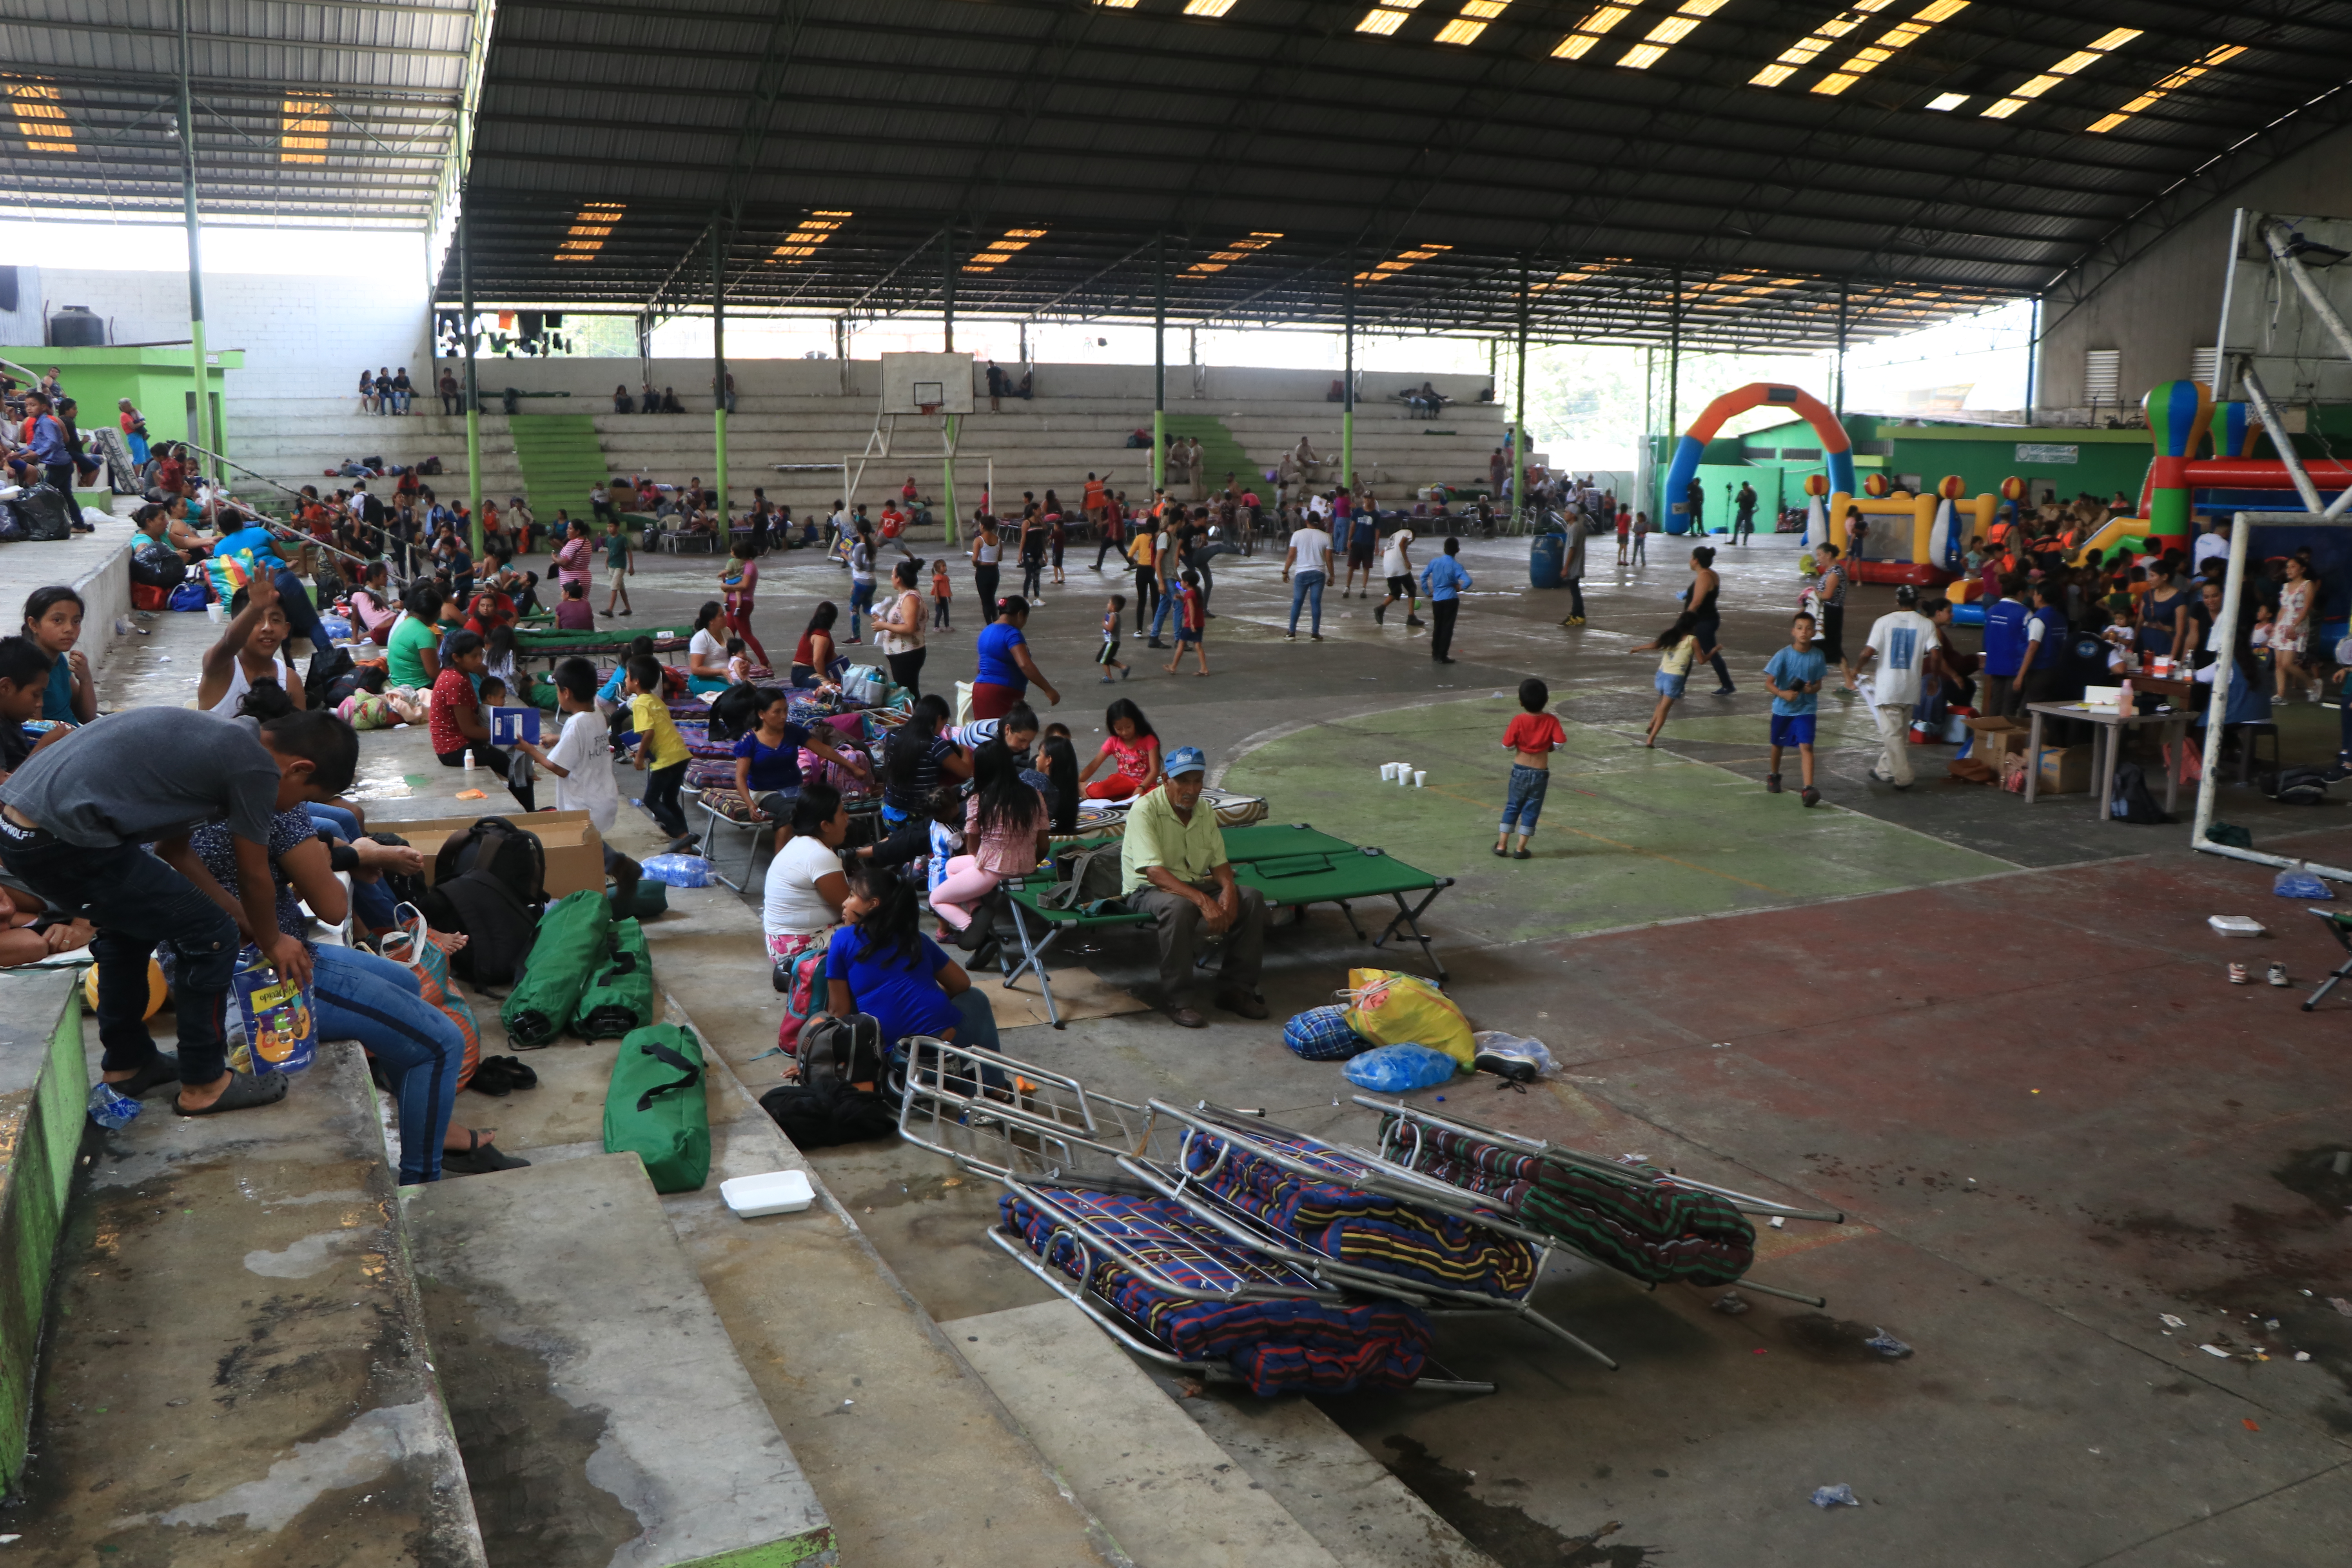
x=1174, y=870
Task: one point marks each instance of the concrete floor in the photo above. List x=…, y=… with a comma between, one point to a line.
x=1853, y=1007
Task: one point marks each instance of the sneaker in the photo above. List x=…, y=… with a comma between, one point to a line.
x=1413, y=620
x=2341, y=771
x=2277, y=975
x=1313, y=636
x=1771, y=784
x=1286, y=636
x=1725, y=690
x=1380, y=614
x=1811, y=796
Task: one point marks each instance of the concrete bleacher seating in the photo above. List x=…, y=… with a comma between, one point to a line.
x=794, y=412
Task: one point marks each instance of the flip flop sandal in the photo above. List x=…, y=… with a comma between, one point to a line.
x=164, y=1069
x=245, y=1093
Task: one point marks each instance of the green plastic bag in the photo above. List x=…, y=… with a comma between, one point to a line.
x=620, y=997
x=573, y=939
x=654, y=1107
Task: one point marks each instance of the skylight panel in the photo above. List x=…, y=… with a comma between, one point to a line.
x=1670, y=32
x=1475, y=15
x=595, y=225
x=1386, y=16
x=814, y=231
x=1887, y=45
x=1595, y=26
x=997, y=252
x=2171, y=84
x=1205, y=7
x=1239, y=250
x=1403, y=261
x=1801, y=53
x=41, y=116
x=2025, y=92
x=302, y=131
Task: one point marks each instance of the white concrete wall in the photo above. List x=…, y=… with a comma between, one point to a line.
x=302, y=337
x=2168, y=302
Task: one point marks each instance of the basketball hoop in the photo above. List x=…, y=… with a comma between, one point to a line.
x=928, y=408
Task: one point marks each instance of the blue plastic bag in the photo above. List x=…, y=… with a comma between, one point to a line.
x=1399, y=1069
x=2295, y=882
x=677, y=870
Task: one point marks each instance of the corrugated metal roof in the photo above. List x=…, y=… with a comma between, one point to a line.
x=1920, y=157
x=306, y=110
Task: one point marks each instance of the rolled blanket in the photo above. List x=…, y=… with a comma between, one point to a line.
x=1384, y=1234
x=1275, y=1346
x=1638, y=1219
x=565, y=953
x=620, y=996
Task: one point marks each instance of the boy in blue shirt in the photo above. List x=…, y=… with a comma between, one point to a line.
x=1793, y=676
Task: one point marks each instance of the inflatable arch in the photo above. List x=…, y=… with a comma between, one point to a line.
x=1836, y=450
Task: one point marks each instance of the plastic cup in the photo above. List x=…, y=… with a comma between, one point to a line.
x=1419, y=780
x=212, y=611
x=1388, y=773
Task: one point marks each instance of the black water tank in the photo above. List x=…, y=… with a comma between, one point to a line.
x=76, y=327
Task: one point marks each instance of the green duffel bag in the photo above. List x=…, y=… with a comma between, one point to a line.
x=620, y=997
x=654, y=1107
x=572, y=941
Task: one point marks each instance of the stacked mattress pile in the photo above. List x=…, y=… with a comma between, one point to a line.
x=1362, y=1230
x=1637, y=1218
x=1275, y=1345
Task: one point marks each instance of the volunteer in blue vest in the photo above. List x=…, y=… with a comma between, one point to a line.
x=1005, y=669
x=2004, y=647
x=1174, y=869
x=2046, y=639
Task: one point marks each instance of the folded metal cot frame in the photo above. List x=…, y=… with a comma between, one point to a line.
x=1402, y=1144
x=1049, y=1127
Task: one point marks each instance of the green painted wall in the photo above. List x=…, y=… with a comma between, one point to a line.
x=46, y=1078
x=156, y=379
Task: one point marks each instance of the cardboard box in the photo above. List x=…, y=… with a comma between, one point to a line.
x=1990, y=739
x=574, y=849
x=2065, y=770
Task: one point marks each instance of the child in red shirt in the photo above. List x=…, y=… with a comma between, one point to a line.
x=1189, y=624
x=1529, y=737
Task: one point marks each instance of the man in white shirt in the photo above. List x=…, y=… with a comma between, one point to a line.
x=1901, y=643
x=1303, y=567
x=2213, y=542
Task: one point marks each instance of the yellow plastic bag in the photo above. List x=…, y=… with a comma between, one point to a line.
x=1391, y=1008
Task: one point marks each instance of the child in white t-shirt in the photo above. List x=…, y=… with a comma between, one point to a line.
x=582, y=762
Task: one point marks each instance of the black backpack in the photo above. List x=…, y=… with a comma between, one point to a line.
x=816, y=1118
x=2297, y=786
x=489, y=882
x=841, y=1053
x=329, y=666
x=2131, y=802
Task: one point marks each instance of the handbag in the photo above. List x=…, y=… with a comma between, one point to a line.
x=654, y=1107
x=409, y=945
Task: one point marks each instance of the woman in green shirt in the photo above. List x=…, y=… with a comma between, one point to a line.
x=412, y=657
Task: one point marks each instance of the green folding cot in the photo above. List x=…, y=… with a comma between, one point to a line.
x=1342, y=878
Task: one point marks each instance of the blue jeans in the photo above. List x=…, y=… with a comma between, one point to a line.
x=1164, y=608
x=136, y=902
x=378, y=1002
x=371, y=901
x=978, y=1029
x=861, y=597
x=1306, y=588
x=1524, y=803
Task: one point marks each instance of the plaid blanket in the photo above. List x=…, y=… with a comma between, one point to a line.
x=1639, y=1219
x=1275, y=1346
x=696, y=733
x=1419, y=1246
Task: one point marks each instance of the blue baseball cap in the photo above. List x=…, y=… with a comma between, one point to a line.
x=1186, y=760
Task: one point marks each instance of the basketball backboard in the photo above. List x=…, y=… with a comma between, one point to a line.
x=917, y=384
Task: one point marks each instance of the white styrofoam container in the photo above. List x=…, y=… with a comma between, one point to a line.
x=2236, y=925
x=771, y=1192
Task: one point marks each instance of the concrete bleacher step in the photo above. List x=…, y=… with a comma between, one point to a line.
x=597, y=1399
x=235, y=1360
x=1240, y=1483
